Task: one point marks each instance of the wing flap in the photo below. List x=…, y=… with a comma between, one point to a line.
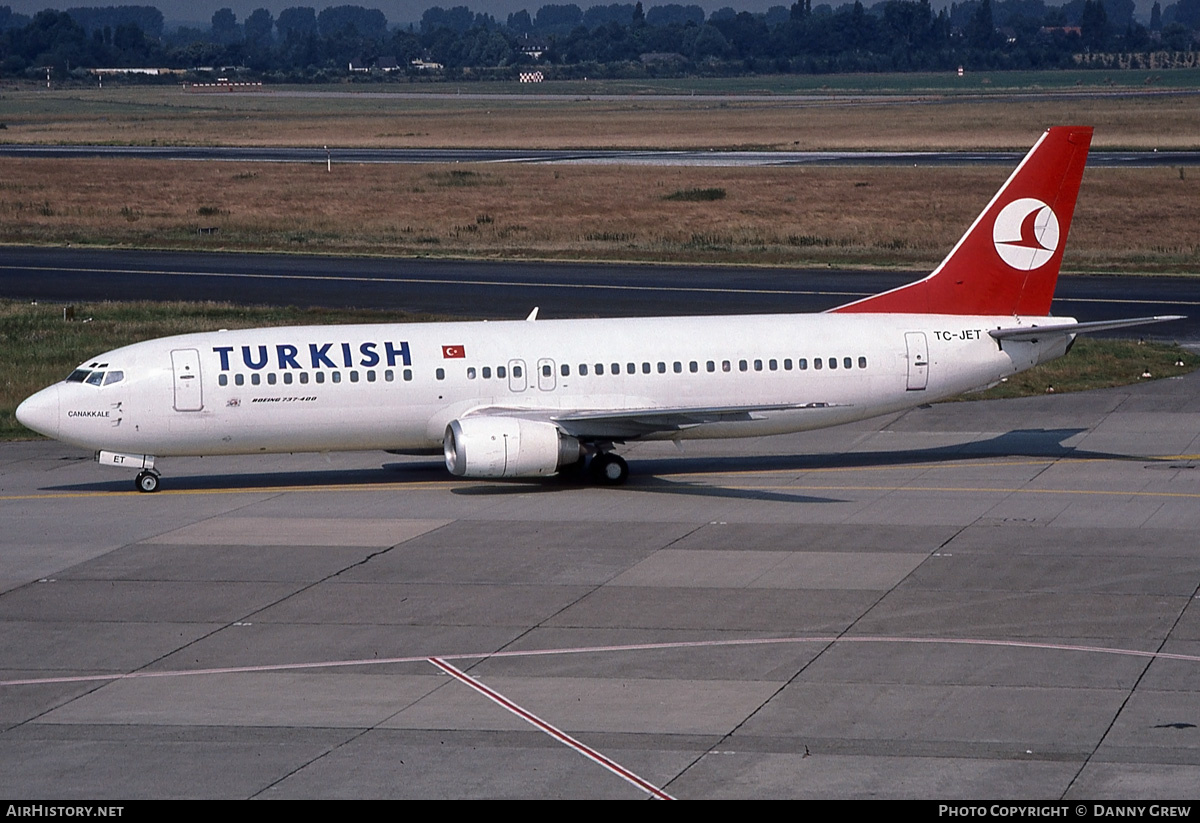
x=632, y=423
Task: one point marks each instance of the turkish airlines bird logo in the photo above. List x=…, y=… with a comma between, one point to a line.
x=1026, y=234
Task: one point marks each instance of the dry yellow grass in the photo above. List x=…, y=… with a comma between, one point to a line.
x=1128, y=219
x=150, y=115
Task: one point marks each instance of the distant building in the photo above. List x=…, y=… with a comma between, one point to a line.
x=152, y=72
x=531, y=47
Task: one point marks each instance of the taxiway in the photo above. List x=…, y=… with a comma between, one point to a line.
x=991, y=599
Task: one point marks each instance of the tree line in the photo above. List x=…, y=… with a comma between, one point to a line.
x=615, y=40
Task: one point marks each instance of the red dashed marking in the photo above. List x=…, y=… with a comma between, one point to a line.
x=559, y=735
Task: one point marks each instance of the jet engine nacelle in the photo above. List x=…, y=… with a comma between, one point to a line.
x=507, y=447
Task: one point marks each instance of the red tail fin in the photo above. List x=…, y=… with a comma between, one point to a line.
x=1008, y=261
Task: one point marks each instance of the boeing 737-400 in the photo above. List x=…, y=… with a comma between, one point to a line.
x=533, y=397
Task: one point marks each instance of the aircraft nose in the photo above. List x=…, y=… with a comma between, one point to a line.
x=40, y=412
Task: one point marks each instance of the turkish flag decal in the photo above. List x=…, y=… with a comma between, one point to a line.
x=453, y=352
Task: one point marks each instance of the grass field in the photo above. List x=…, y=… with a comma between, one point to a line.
x=1128, y=220
x=1096, y=364
x=901, y=112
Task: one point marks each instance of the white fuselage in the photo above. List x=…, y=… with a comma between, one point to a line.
x=397, y=387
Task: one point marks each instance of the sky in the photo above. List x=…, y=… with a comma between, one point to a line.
x=396, y=11
x=200, y=12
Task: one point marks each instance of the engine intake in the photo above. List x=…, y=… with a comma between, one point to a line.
x=507, y=447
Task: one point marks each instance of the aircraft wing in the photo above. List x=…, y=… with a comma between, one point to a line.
x=1033, y=333
x=619, y=424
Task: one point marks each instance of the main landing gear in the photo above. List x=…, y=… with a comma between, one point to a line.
x=609, y=469
x=146, y=481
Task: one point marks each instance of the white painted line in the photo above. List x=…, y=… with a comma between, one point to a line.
x=429, y=281
x=559, y=735
x=625, y=647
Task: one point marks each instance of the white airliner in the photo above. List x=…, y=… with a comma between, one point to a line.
x=534, y=397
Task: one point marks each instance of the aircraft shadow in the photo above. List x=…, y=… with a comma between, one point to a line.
x=649, y=475
x=641, y=482
x=430, y=472
x=1046, y=443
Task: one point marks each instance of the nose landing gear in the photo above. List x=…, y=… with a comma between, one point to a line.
x=146, y=481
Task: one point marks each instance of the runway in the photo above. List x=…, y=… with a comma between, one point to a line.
x=971, y=600
x=625, y=157
x=507, y=290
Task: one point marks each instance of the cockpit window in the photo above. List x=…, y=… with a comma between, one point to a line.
x=96, y=377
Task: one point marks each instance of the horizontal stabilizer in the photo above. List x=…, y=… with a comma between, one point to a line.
x=1030, y=333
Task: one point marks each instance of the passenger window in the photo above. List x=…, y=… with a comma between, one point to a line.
x=440, y=374
x=547, y=371
x=645, y=368
x=583, y=370
x=303, y=377
x=370, y=375
x=616, y=368
x=743, y=365
x=862, y=362
x=677, y=367
x=758, y=365
x=787, y=364
x=353, y=376
x=256, y=378
x=773, y=365
x=239, y=379
x=564, y=370
x=693, y=367
x=631, y=368
x=408, y=375
x=287, y=377
x=726, y=365
x=599, y=368
x=817, y=363
x=487, y=373
x=273, y=378
x=833, y=362
x=847, y=363
x=501, y=372
x=802, y=364
x=336, y=377
x=711, y=366
x=470, y=372
x=223, y=380
x=662, y=367
x=319, y=377
x=388, y=375
x=517, y=371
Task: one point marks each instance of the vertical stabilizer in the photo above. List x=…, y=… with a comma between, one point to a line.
x=1007, y=262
